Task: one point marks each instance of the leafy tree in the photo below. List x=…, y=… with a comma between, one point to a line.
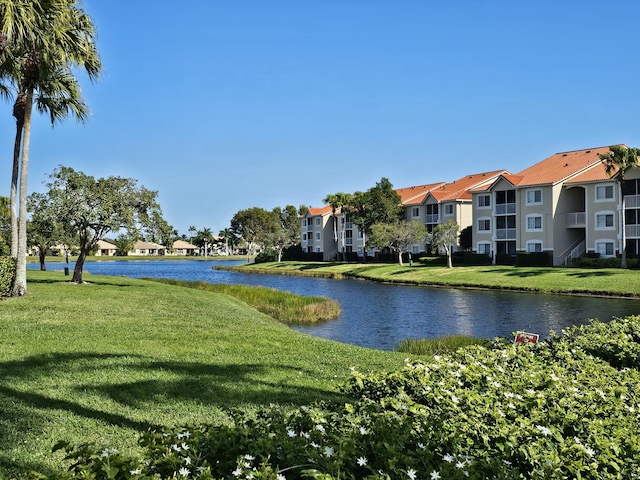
x=338, y=201
x=443, y=238
x=253, y=225
x=285, y=229
x=466, y=238
x=125, y=242
x=88, y=209
x=159, y=231
x=44, y=230
x=616, y=162
x=398, y=236
x=379, y=204
x=41, y=64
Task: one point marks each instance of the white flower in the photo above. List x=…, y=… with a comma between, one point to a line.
x=251, y=458
x=305, y=435
x=411, y=473
x=460, y=464
x=448, y=458
x=315, y=445
x=237, y=472
x=589, y=451
x=362, y=461
x=291, y=433
x=246, y=465
x=185, y=446
x=187, y=460
x=328, y=451
x=137, y=471
x=184, y=471
x=544, y=430
x=421, y=446
x=435, y=475
x=363, y=431
x=281, y=477
x=320, y=428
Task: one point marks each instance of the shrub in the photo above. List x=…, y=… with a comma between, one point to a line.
x=437, y=346
x=555, y=409
x=268, y=255
x=534, y=259
x=7, y=275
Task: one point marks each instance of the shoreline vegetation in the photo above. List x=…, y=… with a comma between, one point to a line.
x=606, y=282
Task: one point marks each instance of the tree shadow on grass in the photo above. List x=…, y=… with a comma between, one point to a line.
x=591, y=273
x=142, y=383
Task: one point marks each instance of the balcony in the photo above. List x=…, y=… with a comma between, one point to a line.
x=632, y=231
x=348, y=241
x=432, y=218
x=506, y=233
x=505, y=208
x=576, y=220
x=632, y=201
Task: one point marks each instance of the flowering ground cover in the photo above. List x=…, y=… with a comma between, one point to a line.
x=564, y=408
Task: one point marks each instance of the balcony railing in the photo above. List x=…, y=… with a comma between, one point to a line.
x=309, y=228
x=432, y=218
x=348, y=241
x=632, y=231
x=505, y=208
x=505, y=233
x=632, y=201
x=576, y=219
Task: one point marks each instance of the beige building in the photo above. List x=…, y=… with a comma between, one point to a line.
x=105, y=249
x=565, y=205
x=180, y=247
x=147, y=248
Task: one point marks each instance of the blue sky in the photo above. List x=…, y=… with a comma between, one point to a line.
x=227, y=105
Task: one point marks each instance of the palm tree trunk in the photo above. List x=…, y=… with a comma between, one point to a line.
x=18, y=113
x=20, y=283
x=623, y=247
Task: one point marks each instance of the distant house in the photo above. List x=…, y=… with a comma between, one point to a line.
x=180, y=247
x=148, y=248
x=105, y=249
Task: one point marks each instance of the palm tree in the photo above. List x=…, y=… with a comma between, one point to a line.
x=42, y=66
x=204, y=238
x=616, y=162
x=337, y=201
x=228, y=237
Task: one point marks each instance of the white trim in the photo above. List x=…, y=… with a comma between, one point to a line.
x=606, y=242
x=487, y=244
x=534, y=242
x=488, y=195
x=533, y=190
x=605, y=213
x=535, y=229
x=483, y=219
x=605, y=199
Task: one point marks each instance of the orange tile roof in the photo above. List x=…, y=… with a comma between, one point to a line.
x=320, y=211
x=560, y=167
x=460, y=189
x=415, y=195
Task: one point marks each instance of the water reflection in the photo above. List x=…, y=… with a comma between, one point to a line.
x=380, y=316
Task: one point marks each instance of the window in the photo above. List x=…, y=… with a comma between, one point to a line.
x=534, y=223
x=304, y=236
x=605, y=248
x=534, y=247
x=484, y=249
x=359, y=233
x=448, y=209
x=318, y=221
x=415, y=249
x=317, y=249
x=604, y=192
x=484, y=201
x=534, y=197
x=304, y=222
x=484, y=225
x=604, y=220
x=415, y=212
x=317, y=235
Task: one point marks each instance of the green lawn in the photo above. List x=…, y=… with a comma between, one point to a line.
x=107, y=360
x=616, y=282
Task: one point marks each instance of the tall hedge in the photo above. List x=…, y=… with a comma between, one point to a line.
x=7, y=274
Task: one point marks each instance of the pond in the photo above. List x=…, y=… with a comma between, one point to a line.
x=380, y=316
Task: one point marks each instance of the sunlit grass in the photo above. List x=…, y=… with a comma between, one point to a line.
x=107, y=360
x=285, y=307
x=606, y=282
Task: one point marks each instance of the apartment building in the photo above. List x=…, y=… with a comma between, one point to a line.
x=565, y=205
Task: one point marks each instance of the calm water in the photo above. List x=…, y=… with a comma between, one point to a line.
x=380, y=316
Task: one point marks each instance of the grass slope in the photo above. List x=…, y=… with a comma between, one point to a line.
x=608, y=282
x=107, y=360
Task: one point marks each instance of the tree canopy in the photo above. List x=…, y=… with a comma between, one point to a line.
x=88, y=208
x=444, y=237
x=398, y=236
